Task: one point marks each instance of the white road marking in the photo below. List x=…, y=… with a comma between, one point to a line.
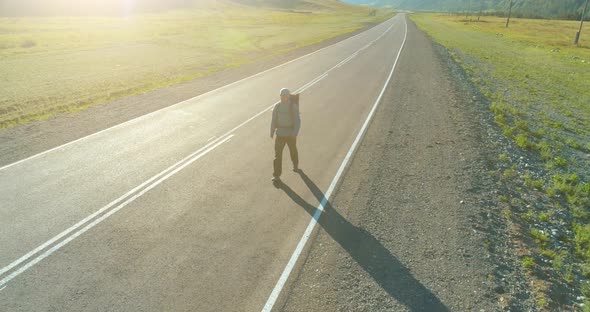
x=297, y=252
x=106, y=215
x=98, y=212
x=211, y=138
x=344, y=61
x=193, y=98
x=63, y=234
x=1, y=289
x=309, y=85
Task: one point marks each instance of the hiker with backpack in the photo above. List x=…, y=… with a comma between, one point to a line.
x=285, y=123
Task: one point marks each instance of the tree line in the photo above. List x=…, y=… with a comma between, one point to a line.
x=558, y=9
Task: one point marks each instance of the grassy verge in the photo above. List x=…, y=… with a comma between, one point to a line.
x=538, y=85
x=63, y=64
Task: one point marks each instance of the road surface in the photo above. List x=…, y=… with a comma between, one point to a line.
x=175, y=210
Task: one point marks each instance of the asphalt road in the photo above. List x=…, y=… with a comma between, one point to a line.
x=175, y=210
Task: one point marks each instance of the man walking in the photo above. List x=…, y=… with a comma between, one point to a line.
x=286, y=123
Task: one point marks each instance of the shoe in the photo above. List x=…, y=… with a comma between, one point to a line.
x=276, y=180
x=296, y=169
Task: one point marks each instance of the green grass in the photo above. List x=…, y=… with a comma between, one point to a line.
x=528, y=262
x=540, y=237
x=537, y=82
x=504, y=158
x=510, y=173
x=532, y=183
x=63, y=64
x=549, y=253
x=535, y=77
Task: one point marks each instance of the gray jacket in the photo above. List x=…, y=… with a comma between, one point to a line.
x=285, y=119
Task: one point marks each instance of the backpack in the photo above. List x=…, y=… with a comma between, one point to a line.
x=294, y=98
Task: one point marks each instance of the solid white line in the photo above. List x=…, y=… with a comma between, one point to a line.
x=191, y=99
x=211, y=138
x=111, y=204
x=47, y=253
x=287, y=271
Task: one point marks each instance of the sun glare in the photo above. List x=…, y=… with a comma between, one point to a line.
x=89, y=7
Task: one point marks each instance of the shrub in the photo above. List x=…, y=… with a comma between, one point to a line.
x=528, y=262
x=28, y=43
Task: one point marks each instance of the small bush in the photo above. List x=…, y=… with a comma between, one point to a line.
x=504, y=158
x=569, y=274
x=541, y=303
x=582, y=239
x=558, y=262
x=586, y=290
x=509, y=131
x=522, y=125
x=530, y=182
x=529, y=216
x=28, y=43
x=538, y=184
x=544, y=216
x=560, y=161
x=500, y=119
x=509, y=174
x=540, y=237
x=522, y=141
x=546, y=154
x=573, y=144
x=528, y=262
x=549, y=253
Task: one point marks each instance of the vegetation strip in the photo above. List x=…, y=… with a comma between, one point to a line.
x=537, y=83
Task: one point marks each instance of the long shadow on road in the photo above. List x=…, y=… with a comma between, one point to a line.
x=369, y=253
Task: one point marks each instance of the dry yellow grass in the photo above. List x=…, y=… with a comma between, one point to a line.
x=63, y=64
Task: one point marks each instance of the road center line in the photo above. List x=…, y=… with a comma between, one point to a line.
x=309, y=85
x=297, y=252
x=53, y=249
x=100, y=211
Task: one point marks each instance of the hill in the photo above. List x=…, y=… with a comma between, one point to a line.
x=565, y=9
x=18, y=8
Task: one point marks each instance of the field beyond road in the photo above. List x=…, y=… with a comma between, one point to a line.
x=537, y=84
x=51, y=65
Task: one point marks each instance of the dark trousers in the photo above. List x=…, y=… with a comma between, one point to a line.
x=280, y=142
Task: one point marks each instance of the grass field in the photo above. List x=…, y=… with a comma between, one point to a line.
x=63, y=64
x=538, y=84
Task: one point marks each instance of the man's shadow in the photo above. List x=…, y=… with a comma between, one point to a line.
x=368, y=252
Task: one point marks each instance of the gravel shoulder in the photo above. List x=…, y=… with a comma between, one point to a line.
x=25, y=140
x=414, y=225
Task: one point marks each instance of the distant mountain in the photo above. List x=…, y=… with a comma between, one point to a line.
x=531, y=8
x=88, y=7
x=377, y=3
x=311, y=5
x=127, y=7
